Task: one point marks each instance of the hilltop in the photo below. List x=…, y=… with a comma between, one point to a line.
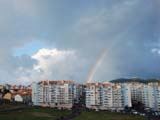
x=140, y=80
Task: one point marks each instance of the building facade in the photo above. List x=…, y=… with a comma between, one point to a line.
x=107, y=96
x=53, y=94
x=147, y=94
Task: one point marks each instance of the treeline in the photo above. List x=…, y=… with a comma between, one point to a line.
x=127, y=80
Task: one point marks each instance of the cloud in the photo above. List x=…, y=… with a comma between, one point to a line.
x=75, y=34
x=25, y=7
x=155, y=51
x=52, y=64
x=47, y=58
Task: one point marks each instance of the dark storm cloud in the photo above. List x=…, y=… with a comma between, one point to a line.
x=128, y=29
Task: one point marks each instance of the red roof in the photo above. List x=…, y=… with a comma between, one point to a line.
x=60, y=82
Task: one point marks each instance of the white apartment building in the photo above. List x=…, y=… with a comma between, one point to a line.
x=126, y=96
x=156, y=104
x=78, y=92
x=107, y=96
x=53, y=94
x=117, y=98
x=135, y=92
x=93, y=95
x=147, y=94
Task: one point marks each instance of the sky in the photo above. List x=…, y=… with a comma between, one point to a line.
x=64, y=39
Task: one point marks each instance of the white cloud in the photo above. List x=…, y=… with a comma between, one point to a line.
x=155, y=51
x=52, y=64
x=47, y=57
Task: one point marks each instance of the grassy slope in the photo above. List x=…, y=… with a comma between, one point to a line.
x=52, y=114
x=92, y=115
x=28, y=114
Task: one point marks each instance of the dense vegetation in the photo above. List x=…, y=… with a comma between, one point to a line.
x=125, y=80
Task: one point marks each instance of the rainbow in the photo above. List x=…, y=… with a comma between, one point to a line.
x=97, y=64
x=116, y=40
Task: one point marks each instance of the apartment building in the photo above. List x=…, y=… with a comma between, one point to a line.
x=135, y=92
x=117, y=98
x=156, y=98
x=126, y=96
x=107, y=96
x=53, y=94
x=78, y=92
x=93, y=95
x=147, y=94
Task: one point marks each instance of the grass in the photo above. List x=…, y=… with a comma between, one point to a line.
x=103, y=115
x=37, y=113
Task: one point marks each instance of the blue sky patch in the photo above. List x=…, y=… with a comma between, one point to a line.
x=30, y=48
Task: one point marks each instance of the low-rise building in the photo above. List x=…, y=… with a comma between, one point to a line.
x=7, y=96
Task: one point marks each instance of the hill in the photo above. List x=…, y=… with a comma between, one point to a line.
x=127, y=80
